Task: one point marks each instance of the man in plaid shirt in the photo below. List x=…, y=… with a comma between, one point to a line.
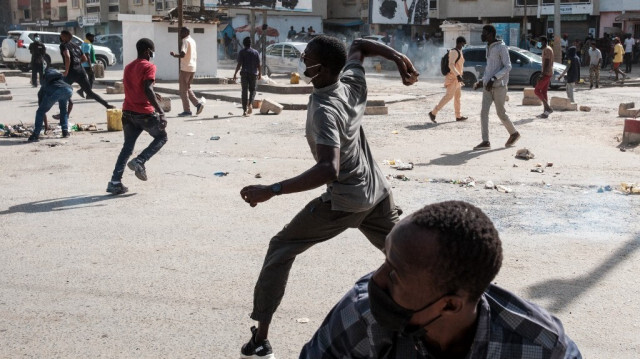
x=433, y=298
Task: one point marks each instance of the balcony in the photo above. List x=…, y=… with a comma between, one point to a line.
x=91, y=3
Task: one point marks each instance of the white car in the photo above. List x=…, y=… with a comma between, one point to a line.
x=15, y=49
x=283, y=57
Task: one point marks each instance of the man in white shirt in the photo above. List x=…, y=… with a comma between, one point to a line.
x=188, y=59
x=595, y=60
x=628, y=52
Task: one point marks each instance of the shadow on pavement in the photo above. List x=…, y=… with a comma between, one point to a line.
x=456, y=159
x=524, y=121
x=427, y=125
x=13, y=141
x=61, y=204
x=562, y=292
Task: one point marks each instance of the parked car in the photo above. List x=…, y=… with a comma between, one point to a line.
x=113, y=42
x=304, y=37
x=282, y=57
x=15, y=49
x=526, y=66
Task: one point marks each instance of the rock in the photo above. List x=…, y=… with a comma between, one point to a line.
x=585, y=108
x=530, y=93
x=531, y=101
x=627, y=110
x=489, y=185
x=6, y=97
x=270, y=105
x=376, y=110
x=562, y=104
x=524, y=154
x=118, y=85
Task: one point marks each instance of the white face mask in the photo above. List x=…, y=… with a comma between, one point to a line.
x=302, y=68
x=151, y=54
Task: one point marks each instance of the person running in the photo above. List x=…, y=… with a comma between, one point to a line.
x=54, y=90
x=618, y=56
x=249, y=61
x=545, y=78
x=140, y=112
x=494, y=83
x=572, y=71
x=73, y=71
x=90, y=54
x=453, y=82
x=188, y=60
x=358, y=195
x=37, y=50
x=433, y=297
x=595, y=61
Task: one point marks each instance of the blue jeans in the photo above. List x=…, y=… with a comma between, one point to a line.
x=61, y=95
x=133, y=124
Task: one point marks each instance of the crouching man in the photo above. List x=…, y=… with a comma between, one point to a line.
x=54, y=90
x=433, y=298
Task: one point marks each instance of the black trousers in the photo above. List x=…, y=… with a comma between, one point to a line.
x=80, y=77
x=37, y=70
x=628, y=57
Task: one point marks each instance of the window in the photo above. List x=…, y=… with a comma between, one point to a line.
x=27, y=14
x=62, y=12
x=433, y=5
x=93, y=9
x=514, y=57
x=475, y=55
x=198, y=30
x=275, y=50
x=159, y=5
x=114, y=8
x=93, y=2
x=551, y=2
x=75, y=4
x=291, y=52
x=137, y=2
x=529, y=2
x=51, y=39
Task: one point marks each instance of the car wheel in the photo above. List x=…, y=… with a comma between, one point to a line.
x=103, y=61
x=469, y=79
x=24, y=68
x=534, y=79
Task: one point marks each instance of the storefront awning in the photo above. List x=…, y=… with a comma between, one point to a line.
x=629, y=16
x=343, y=22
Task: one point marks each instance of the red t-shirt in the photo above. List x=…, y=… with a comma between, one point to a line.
x=135, y=74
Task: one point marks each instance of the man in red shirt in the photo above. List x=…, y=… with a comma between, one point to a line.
x=140, y=112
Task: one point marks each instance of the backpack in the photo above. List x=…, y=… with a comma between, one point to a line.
x=444, y=62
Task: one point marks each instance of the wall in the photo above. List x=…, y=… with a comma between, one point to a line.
x=139, y=26
x=282, y=23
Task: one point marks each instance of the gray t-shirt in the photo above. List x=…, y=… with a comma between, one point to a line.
x=334, y=118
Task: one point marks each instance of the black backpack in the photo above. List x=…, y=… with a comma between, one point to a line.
x=444, y=62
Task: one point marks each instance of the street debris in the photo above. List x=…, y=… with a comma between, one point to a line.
x=630, y=188
x=538, y=170
x=302, y=320
x=401, y=177
x=550, y=164
x=606, y=188
x=258, y=175
x=214, y=138
x=221, y=174
x=504, y=189
x=399, y=165
x=524, y=154
x=489, y=185
x=189, y=134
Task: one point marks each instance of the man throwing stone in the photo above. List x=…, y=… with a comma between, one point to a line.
x=141, y=112
x=433, y=298
x=545, y=78
x=358, y=196
x=494, y=83
x=453, y=81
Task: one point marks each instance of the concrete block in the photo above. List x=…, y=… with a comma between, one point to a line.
x=5, y=92
x=631, y=133
x=585, y=108
x=118, y=86
x=562, y=104
x=376, y=110
x=114, y=91
x=6, y=97
x=627, y=110
x=2, y=79
x=375, y=103
x=270, y=105
x=98, y=71
x=529, y=93
x=531, y=101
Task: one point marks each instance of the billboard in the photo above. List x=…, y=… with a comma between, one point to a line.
x=411, y=12
x=282, y=5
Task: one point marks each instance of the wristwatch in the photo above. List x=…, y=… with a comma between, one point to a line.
x=276, y=188
x=494, y=79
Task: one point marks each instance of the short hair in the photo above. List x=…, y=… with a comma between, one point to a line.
x=490, y=29
x=144, y=44
x=246, y=41
x=330, y=51
x=461, y=40
x=469, y=247
x=184, y=28
x=543, y=38
x=65, y=32
x=88, y=35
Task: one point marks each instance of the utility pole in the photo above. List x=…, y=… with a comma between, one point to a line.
x=524, y=29
x=180, y=18
x=557, y=48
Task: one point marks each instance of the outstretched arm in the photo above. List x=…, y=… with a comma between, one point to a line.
x=362, y=48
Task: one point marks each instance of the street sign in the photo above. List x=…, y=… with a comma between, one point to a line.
x=43, y=23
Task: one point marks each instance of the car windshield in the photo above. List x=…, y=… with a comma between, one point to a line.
x=531, y=55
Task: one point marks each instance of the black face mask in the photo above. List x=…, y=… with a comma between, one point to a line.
x=391, y=315
x=483, y=38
